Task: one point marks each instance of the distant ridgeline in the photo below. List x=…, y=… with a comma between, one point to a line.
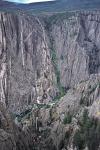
x=53, y=6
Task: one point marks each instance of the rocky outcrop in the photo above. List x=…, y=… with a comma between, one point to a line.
x=12, y=136
x=78, y=110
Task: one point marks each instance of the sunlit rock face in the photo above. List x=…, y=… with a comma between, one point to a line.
x=39, y=55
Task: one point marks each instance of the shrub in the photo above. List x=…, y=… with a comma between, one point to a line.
x=78, y=140
x=67, y=119
x=67, y=135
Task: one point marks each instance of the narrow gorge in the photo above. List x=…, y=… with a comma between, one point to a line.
x=50, y=81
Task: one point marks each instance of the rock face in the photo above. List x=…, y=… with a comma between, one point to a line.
x=26, y=69
x=40, y=54
x=77, y=112
x=11, y=136
x=43, y=59
x=76, y=42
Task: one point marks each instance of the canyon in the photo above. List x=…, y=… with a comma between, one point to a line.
x=50, y=80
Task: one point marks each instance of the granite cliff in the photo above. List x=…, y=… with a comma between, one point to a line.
x=50, y=76
x=38, y=54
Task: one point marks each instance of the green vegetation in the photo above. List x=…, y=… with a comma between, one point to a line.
x=67, y=119
x=54, y=61
x=27, y=113
x=67, y=135
x=46, y=106
x=24, y=113
x=89, y=133
x=62, y=90
x=79, y=140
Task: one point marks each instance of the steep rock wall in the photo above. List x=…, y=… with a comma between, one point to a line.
x=75, y=38
x=39, y=55
x=26, y=70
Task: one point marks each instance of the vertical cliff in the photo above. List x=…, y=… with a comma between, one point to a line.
x=42, y=57
x=52, y=59
x=75, y=39
x=26, y=70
